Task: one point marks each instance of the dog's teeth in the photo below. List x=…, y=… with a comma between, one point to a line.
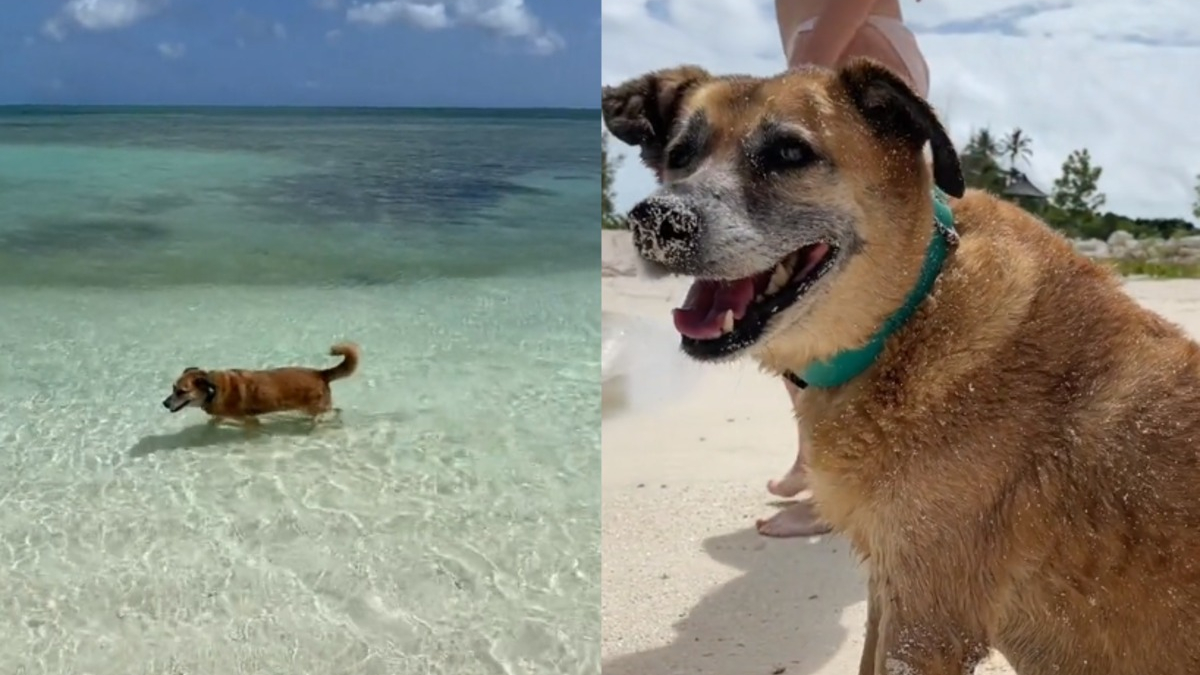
x=778, y=278
x=727, y=322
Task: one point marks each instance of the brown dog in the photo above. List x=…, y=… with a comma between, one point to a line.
x=242, y=395
x=1009, y=440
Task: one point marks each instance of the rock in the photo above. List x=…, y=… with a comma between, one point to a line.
x=1120, y=238
x=1092, y=248
x=1124, y=246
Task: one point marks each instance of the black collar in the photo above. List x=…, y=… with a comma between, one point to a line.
x=795, y=379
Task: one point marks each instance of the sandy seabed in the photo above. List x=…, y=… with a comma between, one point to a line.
x=446, y=523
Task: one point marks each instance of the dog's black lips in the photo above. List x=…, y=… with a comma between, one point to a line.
x=748, y=329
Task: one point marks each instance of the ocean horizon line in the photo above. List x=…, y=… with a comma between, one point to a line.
x=28, y=108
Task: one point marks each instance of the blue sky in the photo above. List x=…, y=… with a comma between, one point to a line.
x=503, y=53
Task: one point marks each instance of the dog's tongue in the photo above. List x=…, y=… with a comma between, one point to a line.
x=703, y=312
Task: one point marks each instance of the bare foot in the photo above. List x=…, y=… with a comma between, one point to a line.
x=793, y=483
x=797, y=520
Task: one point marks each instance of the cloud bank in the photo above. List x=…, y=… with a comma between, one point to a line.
x=509, y=19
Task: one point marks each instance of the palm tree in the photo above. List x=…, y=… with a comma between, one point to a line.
x=1017, y=147
x=979, y=164
x=984, y=144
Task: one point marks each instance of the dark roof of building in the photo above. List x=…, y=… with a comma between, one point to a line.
x=1020, y=186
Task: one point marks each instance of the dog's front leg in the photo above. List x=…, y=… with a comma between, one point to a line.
x=917, y=639
x=870, y=643
x=249, y=423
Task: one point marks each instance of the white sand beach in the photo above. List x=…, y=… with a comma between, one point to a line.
x=688, y=584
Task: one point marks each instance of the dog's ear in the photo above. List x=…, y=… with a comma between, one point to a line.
x=643, y=110
x=201, y=380
x=894, y=110
x=206, y=385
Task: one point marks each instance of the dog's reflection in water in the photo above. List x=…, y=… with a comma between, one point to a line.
x=215, y=433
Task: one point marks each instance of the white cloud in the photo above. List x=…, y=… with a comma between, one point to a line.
x=253, y=29
x=172, y=50
x=54, y=29
x=99, y=15
x=547, y=43
x=1115, y=77
x=428, y=17
x=510, y=19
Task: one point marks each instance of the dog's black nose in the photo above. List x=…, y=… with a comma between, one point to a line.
x=666, y=230
x=167, y=404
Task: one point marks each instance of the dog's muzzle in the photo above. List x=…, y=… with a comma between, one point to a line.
x=666, y=230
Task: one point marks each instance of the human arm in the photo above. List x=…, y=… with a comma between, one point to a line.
x=831, y=34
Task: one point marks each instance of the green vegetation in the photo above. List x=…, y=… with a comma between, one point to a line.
x=1196, y=199
x=1156, y=270
x=609, y=218
x=1075, y=202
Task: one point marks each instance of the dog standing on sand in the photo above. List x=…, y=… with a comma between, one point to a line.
x=1009, y=441
x=243, y=395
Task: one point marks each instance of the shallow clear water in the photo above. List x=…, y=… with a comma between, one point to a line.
x=448, y=522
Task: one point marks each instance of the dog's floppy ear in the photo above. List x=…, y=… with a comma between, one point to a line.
x=642, y=111
x=201, y=380
x=206, y=384
x=894, y=110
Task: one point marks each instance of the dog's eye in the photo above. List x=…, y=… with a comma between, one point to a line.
x=680, y=156
x=792, y=154
x=787, y=154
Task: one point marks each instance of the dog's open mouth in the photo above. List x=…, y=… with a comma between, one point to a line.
x=722, y=317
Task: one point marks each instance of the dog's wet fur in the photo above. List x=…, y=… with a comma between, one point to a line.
x=1020, y=468
x=242, y=395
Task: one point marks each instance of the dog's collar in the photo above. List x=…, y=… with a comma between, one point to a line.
x=845, y=366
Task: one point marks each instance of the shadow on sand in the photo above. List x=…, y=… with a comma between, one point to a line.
x=783, y=615
x=206, y=435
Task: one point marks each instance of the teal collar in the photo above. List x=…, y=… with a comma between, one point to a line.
x=845, y=366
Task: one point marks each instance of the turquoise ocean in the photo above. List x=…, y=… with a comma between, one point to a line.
x=447, y=523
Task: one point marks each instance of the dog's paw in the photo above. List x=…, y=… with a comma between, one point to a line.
x=642, y=111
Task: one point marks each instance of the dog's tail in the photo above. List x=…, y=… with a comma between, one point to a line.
x=349, y=354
